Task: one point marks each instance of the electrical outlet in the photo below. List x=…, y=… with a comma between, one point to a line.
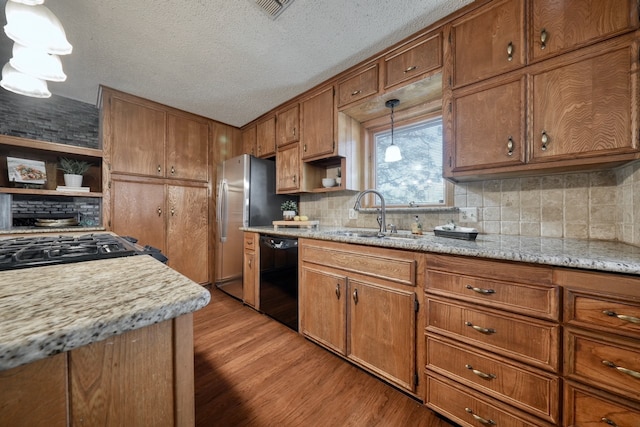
x=468, y=215
x=353, y=214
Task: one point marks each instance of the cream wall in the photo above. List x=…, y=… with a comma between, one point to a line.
x=602, y=205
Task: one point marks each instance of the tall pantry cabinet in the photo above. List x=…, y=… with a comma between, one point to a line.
x=158, y=179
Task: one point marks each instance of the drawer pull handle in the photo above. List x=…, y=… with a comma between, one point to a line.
x=355, y=92
x=630, y=372
x=626, y=318
x=510, y=146
x=355, y=296
x=608, y=421
x=409, y=69
x=510, y=51
x=545, y=141
x=338, y=290
x=544, y=36
x=480, y=329
x=480, y=290
x=480, y=373
x=480, y=419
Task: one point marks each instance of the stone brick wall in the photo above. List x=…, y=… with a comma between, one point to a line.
x=25, y=209
x=56, y=119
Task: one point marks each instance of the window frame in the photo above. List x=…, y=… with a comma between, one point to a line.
x=384, y=124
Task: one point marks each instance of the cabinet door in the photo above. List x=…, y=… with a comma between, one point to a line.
x=288, y=169
x=188, y=231
x=410, y=61
x=138, y=210
x=359, y=86
x=584, y=109
x=266, y=137
x=288, y=126
x=249, y=270
x=137, y=139
x=488, y=126
x=488, y=42
x=562, y=25
x=249, y=141
x=187, y=148
x=323, y=299
x=318, y=119
x=382, y=325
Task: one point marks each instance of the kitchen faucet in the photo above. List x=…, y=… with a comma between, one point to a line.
x=382, y=217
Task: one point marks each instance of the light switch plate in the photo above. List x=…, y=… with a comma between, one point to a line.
x=353, y=214
x=468, y=215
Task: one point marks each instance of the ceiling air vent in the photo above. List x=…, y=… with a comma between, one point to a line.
x=273, y=8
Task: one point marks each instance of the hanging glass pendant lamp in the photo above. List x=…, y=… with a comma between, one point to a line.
x=37, y=63
x=23, y=84
x=36, y=27
x=392, y=153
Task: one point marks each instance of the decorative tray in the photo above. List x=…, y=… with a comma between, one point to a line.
x=308, y=224
x=452, y=231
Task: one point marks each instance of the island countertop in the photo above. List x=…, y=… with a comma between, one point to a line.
x=598, y=255
x=52, y=309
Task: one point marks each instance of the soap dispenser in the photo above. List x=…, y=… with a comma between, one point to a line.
x=416, y=227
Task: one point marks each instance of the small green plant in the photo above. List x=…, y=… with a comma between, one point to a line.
x=73, y=166
x=289, y=205
x=339, y=173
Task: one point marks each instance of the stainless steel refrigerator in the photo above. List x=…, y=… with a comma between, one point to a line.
x=246, y=196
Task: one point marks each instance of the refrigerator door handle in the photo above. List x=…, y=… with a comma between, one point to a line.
x=221, y=214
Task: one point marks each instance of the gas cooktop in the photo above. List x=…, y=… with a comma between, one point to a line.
x=25, y=252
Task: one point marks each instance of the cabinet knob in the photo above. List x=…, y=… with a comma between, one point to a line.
x=159, y=211
x=544, y=36
x=355, y=296
x=510, y=147
x=545, y=141
x=510, y=50
x=338, y=290
x=355, y=92
x=159, y=169
x=410, y=69
x=173, y=170
x=479, y=418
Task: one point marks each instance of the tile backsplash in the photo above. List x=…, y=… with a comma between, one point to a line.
x=602, y=205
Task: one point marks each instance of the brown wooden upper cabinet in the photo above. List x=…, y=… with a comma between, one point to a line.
x=561, y=26
x=318, y=124
x=288, y=125
x=249, y=140
x=413, y=60
x=266, y=137
x=488, y=41
x=359, y=86
x=288, y=169
x=148, y=140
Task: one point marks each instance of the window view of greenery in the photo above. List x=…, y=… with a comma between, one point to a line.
x=417, y=177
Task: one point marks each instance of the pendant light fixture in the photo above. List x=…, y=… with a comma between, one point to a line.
x=392, y=153
x=39, y=39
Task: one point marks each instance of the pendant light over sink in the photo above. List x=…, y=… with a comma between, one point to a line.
x=38, y=40
x=392, y=154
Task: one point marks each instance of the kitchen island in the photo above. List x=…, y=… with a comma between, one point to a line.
x=105, y=342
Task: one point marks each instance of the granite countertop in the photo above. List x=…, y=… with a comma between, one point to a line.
x=41, y=230
x=574, y=253
x=51, y=309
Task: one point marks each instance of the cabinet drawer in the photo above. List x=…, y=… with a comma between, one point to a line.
x=250, y=241
x=585, y=407
x=606, y=362
x=395, y=266
x=520, y=298
x=603, y=313
x=518, y=385
x=359, y=86
x=471, y=409
x=528, y=340
x=417, y=58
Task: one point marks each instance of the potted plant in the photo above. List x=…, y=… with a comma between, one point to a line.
x=289, y=209
x=73, y=170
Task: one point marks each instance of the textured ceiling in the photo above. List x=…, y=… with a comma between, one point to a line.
x=226, y=60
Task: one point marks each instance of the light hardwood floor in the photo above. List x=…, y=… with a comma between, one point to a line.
x=252, y=371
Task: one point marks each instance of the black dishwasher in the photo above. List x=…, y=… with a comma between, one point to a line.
x=279, y=279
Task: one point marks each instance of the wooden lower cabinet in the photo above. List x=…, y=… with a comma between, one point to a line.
x=492, y=342
x=172, y=218
x=251, y=270
x=142, y=377
x=366, y=317
x=585, y=406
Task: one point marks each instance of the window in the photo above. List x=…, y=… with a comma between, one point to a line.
x=417, y=177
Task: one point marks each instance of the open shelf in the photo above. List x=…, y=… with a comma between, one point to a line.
x=39, y=192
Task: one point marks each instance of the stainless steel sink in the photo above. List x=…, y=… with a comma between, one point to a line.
x=347, y=233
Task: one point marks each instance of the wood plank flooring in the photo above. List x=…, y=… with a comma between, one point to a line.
x=253, y=371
